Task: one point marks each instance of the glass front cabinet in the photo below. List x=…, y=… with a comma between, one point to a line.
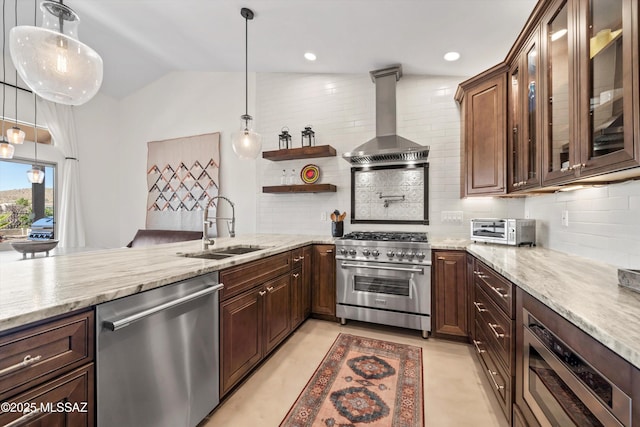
x=524, y=118
x=590, y=62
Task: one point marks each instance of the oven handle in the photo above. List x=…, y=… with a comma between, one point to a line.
x=380, y=267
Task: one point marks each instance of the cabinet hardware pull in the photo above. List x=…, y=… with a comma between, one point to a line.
x=301, y=257
x=492, y=374
x=478, y=347
x=493, y=328
x=296, y=275
x=329, y=251
x=498, y=291
x=478, y=306
x=296, y=259
x=262, y=293
x=27, y=361
x=441, y=258
x=270, y=288
x=24, y=420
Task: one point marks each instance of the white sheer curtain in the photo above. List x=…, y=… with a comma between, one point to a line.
x=60, y=120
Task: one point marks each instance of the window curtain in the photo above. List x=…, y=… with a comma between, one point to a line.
x=60, y=120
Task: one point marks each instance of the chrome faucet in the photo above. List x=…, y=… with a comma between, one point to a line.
x=206, y=222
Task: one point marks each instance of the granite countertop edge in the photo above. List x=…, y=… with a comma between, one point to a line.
x=61, y=284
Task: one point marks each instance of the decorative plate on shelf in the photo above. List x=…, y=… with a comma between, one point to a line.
x=310, y=174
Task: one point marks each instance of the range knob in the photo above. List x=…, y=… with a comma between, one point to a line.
x=420, y=255
x=343, y=251
x=401, y=254
x=410, y=255
x=391, y=254
x=352, y=252
x=375, y=252
x=366, y=252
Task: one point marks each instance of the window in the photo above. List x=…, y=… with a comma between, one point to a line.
x=21, y=202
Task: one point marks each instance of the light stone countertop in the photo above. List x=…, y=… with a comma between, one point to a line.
x=450, y=244
x=583, y=291
x=35, y=289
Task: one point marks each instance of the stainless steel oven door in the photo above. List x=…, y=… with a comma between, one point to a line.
x=556, y=394
x=388, y=286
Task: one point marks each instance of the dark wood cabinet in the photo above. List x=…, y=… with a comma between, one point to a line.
x=323, y=282
x=241, y=337
x=449, y=294
x=264, y=302
x=493, y=304
x=48, y=364
x=484, y=127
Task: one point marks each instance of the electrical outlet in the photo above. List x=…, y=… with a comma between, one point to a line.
x=565, y=218
x=526, y=214
x=323, y=216
x=451, y=216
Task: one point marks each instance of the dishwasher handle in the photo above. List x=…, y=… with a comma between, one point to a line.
x=114, y=325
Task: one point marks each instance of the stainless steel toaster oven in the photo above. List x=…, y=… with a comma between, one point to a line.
x=504, y=231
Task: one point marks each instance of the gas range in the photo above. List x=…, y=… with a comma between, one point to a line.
x=396, y=247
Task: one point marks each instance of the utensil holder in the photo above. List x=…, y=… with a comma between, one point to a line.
x=337, y=229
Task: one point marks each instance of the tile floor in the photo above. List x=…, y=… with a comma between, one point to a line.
x=456, y=392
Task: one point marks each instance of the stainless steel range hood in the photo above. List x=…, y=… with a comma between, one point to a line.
x=387, y=146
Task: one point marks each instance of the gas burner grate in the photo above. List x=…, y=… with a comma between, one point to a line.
x=386, y=236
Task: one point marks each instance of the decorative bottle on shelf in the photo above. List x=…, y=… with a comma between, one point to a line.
x=283, y=178
x=292, y=178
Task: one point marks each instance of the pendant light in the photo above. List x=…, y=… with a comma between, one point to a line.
x=52, y=61
x=15, y=135
x=6, y=149
x=35, y=175
x=246, y=143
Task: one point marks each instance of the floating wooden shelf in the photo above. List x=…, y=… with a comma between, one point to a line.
x=300, y=153
x=302, y=188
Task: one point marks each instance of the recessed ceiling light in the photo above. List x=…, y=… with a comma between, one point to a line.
x=310, y=56
x=451, y=56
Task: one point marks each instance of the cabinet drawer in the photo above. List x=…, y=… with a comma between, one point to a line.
x=243, y=277
x=65, y=401
x=499, y=289
x=499, y=380
x=297, y=258
x=35, y=355
x=496, y=327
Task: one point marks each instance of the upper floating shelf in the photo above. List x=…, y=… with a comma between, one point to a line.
x=299, y=153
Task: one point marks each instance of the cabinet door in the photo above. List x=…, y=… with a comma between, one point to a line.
x=485, y=137
x=73, y=391
x=525, y=118
x=323, y=287
x=277, y=311
x=450, y=293
x=559, y=109
x=608, y=52
x=241, y=335
x=307, y=273
x=297, y=298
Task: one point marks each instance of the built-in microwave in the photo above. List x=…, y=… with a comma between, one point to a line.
x=504, y=231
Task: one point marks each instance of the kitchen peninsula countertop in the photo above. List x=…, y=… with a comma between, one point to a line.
x=583, y=291
x=40, y=288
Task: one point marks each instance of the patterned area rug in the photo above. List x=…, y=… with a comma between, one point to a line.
x=363, y=382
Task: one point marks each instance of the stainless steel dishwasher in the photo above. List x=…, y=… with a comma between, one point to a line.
x=157, y=356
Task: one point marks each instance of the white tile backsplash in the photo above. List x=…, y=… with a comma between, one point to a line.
x=341, y=110
x=604, y=222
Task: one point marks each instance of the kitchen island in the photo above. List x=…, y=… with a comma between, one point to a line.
x=46, y=287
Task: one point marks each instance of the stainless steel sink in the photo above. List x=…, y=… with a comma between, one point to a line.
x=224, y=253
x=207, y=255
x=239, y=250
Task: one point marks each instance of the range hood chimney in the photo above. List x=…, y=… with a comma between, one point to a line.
x=387, y=146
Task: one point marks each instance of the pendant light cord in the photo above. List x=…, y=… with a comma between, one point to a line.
x=35, y=97
x=246, y=66
x=4, y=3
x=15, y=6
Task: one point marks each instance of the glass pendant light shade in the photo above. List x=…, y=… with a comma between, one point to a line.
x=246, y=143
x=6, y=150
x=35, y=175
x=52, y=61
x=15, y=135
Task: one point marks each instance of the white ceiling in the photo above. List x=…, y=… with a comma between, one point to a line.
x=142, y=40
